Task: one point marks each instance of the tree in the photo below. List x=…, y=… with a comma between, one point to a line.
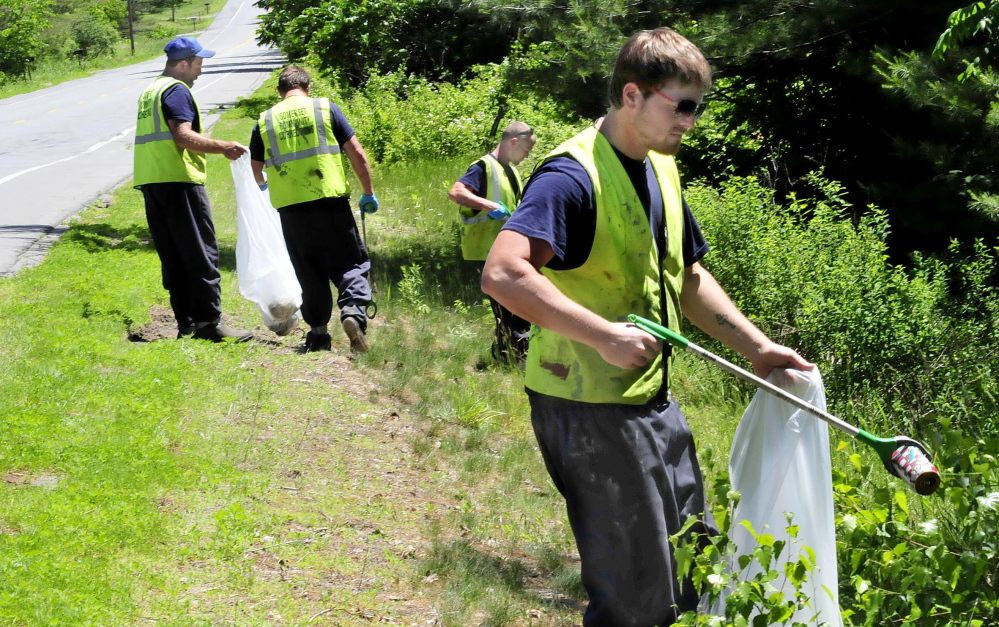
x=95, y=34
x=971, y=23
x=21, y=24
x=435, y=39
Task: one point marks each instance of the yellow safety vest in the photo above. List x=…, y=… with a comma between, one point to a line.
x=620, y=276
x=478, y=232
x=303, y=160
x=158, y=158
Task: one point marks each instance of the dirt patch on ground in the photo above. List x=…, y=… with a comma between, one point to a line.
x=163, y=326
x=378, y=539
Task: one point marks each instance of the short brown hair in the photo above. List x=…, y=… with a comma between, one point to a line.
x=293, y=77
x=516, y=129
x=650, y=58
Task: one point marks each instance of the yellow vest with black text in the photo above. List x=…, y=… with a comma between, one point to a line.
x=302, y=158
x=478, y=232
x=621, y=276
x=158, y=158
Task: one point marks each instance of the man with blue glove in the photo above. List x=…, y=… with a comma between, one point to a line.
x=487, y=194
x=296, y=153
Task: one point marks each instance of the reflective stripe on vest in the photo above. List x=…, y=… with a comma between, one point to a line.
x=301, y=163
x=621, y=275
x=478, y=232
x=158, y=158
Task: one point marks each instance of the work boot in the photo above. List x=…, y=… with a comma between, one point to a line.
x=218, y=332
x=352, y=327
x=317, y=342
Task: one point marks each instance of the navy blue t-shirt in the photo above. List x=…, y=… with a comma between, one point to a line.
x=475, y=178
x=559, y=208
x=342, y=131
x=178, y=104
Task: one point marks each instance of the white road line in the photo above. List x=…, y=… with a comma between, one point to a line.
x=96, y=146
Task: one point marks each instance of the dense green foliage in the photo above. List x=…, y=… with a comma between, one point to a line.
x=901, y=351
x=909, y=345
x=801, y=85
x=21, y=24
x=408, y=118
x=974, y=22
x=437, y=39
x=95, y=34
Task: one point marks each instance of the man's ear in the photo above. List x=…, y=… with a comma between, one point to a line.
x=631, y=95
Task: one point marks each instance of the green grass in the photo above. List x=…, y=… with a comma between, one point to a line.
x=189, y=483
x=152, y=32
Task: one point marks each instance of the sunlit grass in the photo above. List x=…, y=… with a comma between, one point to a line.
x=196, y=484
x=151, y=32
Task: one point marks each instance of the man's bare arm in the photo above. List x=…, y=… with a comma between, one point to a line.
x=706, y=304
x=187, y=138
x=258, y=171
x=359, y=162
x=462, y=195
x=512, y=277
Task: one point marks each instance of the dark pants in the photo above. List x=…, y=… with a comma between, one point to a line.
x=324, y=246
x=512, y=334
x=630, y=478
x=180, y=221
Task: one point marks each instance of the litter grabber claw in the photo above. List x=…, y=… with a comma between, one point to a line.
x=903, y=457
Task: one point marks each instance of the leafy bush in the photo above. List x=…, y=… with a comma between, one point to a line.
x=436, y=39
x=95, y=34
x=901, y=346
x=21, y=25
x=407, y=118
x=114, y=11
x=930, y=562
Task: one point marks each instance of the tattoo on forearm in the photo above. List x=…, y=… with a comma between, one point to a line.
x=724, y=321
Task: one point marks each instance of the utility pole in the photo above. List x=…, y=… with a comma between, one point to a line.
x=131, y=28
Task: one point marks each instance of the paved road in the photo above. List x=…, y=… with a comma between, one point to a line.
x=62, y=147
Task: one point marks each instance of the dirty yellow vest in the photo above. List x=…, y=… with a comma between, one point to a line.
x=302, y=158
x=158, y=158
x=621, y=276
x=478, y=232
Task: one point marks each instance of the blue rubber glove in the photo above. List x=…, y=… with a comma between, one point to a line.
x=501, y=213
x=368, y=204
x=263, y=186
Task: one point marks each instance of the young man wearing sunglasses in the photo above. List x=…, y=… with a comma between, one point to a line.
x=603, y=231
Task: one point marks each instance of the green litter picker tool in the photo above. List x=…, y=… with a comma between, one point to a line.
x=903, y=457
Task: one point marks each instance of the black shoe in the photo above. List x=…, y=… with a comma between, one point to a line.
x=219, y=332
x=317, y=342
x=185, y=331
x=358, y=343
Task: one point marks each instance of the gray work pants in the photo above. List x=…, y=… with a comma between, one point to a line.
x=630, y=478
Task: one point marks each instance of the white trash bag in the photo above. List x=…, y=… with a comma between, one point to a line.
x=266, y=276
x=780, y=463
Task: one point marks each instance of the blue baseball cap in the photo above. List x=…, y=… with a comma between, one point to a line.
x=183, y=47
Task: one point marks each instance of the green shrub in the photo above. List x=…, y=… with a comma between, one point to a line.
x=927, y=562
x=401, y=118
x=898, y=346
x=95, y=34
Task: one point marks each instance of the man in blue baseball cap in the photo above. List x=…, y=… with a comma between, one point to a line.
x=170, y=170
x=184, y=47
